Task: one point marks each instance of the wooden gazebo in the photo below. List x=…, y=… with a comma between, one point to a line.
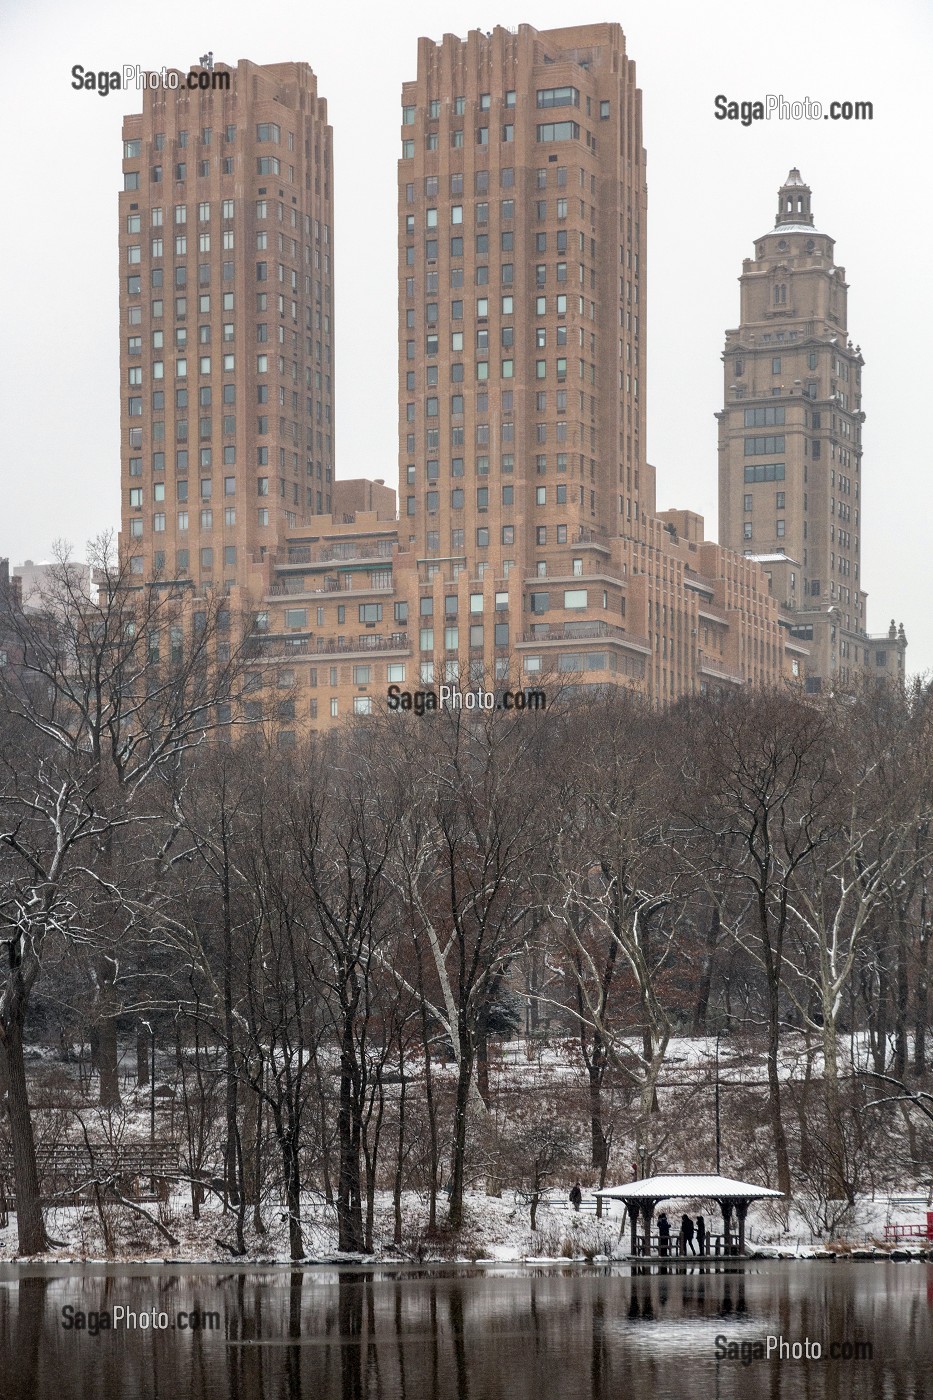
x=642, y=1198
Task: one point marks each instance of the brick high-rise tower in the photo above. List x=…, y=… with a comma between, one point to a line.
x=790, y=443
x=226, y=321
x=522, y=229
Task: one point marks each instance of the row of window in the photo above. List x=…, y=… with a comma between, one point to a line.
x=764, y=417
x=543, y=176
x=156, y=220
x=180, y=279
x=506, y=307
x=157, y=246
x=409, y=112
x=457, y=497
x=476, y=635
x=265, y=131
x=766, y=471
x=457, y=536
x=763, y=446
x=181, y=490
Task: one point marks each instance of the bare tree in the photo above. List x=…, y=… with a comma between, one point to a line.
x=105, y=700
x=610, y=893
x=758, y=803
x=467, y=838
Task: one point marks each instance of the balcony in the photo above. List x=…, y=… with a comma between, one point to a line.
x=378, y=550
x=331, y=583
x=586, y=535
x=587, y=631
x=716, y=671
x=284, y=647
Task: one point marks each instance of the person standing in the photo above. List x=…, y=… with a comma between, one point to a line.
x=576, y=1196
x=701, y=1234
x=686, y=1234
x=664, y=1234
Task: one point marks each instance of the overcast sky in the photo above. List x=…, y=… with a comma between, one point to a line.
x=712, y=191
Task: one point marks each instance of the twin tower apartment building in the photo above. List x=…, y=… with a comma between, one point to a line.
x=524, y=544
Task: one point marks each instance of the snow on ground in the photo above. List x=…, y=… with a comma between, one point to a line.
x=496, y=1228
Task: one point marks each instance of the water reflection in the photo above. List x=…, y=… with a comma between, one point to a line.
x=438, y=1334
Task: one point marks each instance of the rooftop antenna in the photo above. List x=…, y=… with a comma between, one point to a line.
x=207, y=60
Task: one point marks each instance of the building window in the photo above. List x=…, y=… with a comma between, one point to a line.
x=557, y=97
x=559, y=131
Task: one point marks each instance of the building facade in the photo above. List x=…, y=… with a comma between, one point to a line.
x=790, y=444
x=226, y=321
x=522, y=215
x=526, y=550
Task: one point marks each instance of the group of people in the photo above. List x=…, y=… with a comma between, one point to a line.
x=688, y=1231
x=685, y=1237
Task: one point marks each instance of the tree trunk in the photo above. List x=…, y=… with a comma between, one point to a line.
x=432, y=1117
x=464, y=1081
x=257, y=1164
x=901, y=1006
x=772, y=959
x=349, y=1193
x=923, y=996
x=779, y=1137
x=30, y=1225
x=232, y=1155
x=701, y=1008
x=399, y=1154
x=482, y=1061
x=835, y=1148
x=597, y=1135
x=292, y=1166
x=371, y=1155
x=233, y=1149
x=109, y=1096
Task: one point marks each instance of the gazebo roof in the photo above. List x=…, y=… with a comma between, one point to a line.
x=684, y=1185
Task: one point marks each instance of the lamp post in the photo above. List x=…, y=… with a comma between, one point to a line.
x=151, y=1030
x=718, y=1132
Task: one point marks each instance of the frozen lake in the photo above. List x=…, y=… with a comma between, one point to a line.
x=443, y=1333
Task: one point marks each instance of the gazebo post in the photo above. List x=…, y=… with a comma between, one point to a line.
x=741, y=1209
x=647, y=1210
x=726, y=1207
x=632, y=1208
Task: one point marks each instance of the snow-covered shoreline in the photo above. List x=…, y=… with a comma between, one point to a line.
x=496, y=1232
